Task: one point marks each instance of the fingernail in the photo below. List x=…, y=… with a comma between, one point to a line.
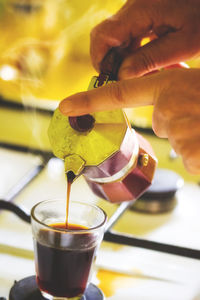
x=65, y=106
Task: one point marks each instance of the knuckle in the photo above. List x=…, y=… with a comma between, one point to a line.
x=86, y=100
x=191, y=155
x=146, y=61
x=192, y=165
x=175, y=128
x=101, y=29
x=190, y=41
x=97, y=34
x=95, y=30
x=94, y=34
x=176, y=144
x=116, y=94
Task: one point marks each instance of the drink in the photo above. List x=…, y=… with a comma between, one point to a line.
x=63, y=272
x=64, y=255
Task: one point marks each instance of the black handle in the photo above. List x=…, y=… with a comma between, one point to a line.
x=111, y=62
x=109, y=67
x=21, y=213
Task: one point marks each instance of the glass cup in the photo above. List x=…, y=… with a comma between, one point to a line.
x=64, y=257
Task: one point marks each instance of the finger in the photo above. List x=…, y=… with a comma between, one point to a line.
x=191, y=156
x=128, y=93
x=126, y=26
x=189, y=150
x=108, y=34
x=177, y=107
x=184, y=136
x=164, y=51
x=186, y=127
x=180, y=134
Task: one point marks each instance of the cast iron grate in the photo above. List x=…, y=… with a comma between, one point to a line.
x=110, y=235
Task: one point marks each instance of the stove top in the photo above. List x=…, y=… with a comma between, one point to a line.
x=122, y=270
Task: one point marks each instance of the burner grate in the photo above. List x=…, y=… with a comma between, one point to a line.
x=6, y=203
x=110, y=236
x=27, y=289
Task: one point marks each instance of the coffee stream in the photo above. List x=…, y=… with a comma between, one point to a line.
x=69, y=184
x=70, y=178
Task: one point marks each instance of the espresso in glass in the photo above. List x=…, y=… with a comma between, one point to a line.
x=64, y=255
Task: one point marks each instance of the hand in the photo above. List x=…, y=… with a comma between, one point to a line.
x=175, y=95
x=174, y=23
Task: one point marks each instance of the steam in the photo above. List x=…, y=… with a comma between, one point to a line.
x=48, y=47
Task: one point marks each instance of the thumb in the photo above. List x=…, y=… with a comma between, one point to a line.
x=161, y=52
x=122, y=94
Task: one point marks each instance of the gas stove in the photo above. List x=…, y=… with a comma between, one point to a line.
x=143, y=256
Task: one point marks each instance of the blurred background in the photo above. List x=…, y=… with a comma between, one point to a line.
x=44, y=46
x=44, y=57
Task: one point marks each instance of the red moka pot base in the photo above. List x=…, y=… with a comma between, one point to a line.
x=133, y=184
